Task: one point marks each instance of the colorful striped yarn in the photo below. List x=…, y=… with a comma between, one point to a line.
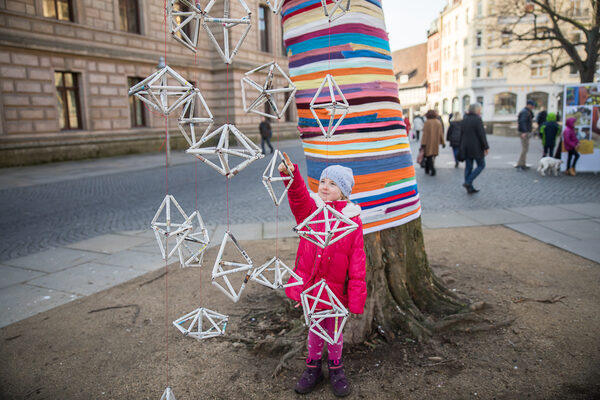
x=372, y=138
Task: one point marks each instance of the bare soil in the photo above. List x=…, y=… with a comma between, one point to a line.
x=535, y=337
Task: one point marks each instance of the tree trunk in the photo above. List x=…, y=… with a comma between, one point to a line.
x=401, y=287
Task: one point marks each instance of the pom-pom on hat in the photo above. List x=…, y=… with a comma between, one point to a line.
x=342, y=176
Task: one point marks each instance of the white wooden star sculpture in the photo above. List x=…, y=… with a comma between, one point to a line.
x=226, y=23
x=191, y=251
x=269, y=177
x=168, y=394
x=275, y=5
x=335, y=10
x=325, y=226
x=195, y=115
x=249, y=151
x=174, y=225
x=337, y=106
x=274, y=273
x=266, y=92
x=320, y=303
x=164, y=90
x=222, y=269
x=183, y=19
x=202, y=323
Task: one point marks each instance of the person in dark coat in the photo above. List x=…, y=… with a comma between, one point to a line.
x=549, y=131
x=473, y=145
x=540, y=119
x=265, y=134
x=433, y=137
x=525, y=127
x=453, y=135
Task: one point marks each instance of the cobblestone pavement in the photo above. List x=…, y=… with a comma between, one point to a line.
x=71, y=208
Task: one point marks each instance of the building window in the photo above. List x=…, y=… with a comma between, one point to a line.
x=540, y=98
x=576, y=38
x=537, y=68
x=467, y=16
x=179, y=7
x=505, y=38
x=136, y=107
x=455, y=105
x=480, y=101
x=505, y=103
x=500, y=68
x=445, y=106
x=480, y=8
x=130, y=16
x=466, y=102
x=478, y=39
x=58, y=9
x=263, y=28
x=576, y=8
x=465, y=72
x=477, y=70
x=67, y=93
x=572, y=69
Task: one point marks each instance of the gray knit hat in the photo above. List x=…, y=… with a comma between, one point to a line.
x=342, y=176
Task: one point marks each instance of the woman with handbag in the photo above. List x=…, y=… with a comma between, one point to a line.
x=433, y=137
x=473, y=146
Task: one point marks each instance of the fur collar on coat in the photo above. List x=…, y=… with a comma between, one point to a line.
x=350, y=210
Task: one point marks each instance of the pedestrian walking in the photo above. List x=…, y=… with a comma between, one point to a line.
x=525, y=127
x=473, y=146
x=342, y=265
x=540, y=119
x=453, y=135
x=407, y=123
x=571, y=145
x=265, y=134
x=418, y=123
x=549, y=131
x=433, y=137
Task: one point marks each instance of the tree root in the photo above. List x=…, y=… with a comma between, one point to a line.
x=136, y=313
x=551, y=300
x=491, y=327
x=287, y=356
x=455, y=319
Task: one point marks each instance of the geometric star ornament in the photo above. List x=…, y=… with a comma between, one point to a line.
x=322, y=226
x=192, y=249
x=202, y=323
x=268, y=178
x=164, y=90
x=226, y=23
x=319, y=303
x=168, y=395
x=334, y=108
x=248, y=150
x=274, y=273
x=275, y=97
x=338, y=8
x=183, y=18
x=224, y=270
x=275, y=5
x=178, y=226
x=195, y=115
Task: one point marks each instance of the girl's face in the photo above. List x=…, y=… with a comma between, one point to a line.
x=329, y=191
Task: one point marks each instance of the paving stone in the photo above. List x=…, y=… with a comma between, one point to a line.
x=547, y=213
x=86, y=279
x=108, y=244
x=11, y=275
x=588, y=209
x=272, y=230
x=495, y=216
x=145, y=233
x=580, y=229
x=142, y=261
x=23, y=301
x=447, y=220
x=54, y=260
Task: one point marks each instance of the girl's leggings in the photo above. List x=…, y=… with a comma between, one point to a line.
x=572, y=153
x=315, y=343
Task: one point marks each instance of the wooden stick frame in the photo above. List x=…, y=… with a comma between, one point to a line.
x=338, y=7
x=269, y=177
x=333, y=106
x=158, y=90
x=202, y=323
x=249, y=150
x=163, y=231
x=335, y=222
x=168, y=394
x=266, y=91
x=192, y=18
x=314, y=314
x=189, y=118
x=192, y=249
x=226, y=23
x=280, y=272
x=219, y=271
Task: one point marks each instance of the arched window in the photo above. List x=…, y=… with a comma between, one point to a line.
x=505, y=103
x=466, y=102
x=445, y=107
x=455, y=105
x=540, y=98
x=436, y=107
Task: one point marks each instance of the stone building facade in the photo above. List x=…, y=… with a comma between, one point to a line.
x=66, y=67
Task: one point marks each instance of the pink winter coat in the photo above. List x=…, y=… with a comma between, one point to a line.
x=569, y=136
x=342, y=264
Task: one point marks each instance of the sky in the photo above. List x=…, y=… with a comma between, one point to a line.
x=407, y=21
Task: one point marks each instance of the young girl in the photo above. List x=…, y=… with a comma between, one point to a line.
x=571, y=145
x=341, y=264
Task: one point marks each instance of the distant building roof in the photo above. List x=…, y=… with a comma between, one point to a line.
x=410, y=66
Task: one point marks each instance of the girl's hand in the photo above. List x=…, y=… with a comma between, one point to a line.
x=287, y=162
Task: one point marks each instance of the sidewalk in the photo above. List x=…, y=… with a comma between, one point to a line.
x=45, y=280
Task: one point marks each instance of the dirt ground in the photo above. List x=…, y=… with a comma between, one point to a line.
x=540, y=348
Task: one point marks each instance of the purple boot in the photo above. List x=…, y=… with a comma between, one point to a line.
x=339, y=384
x=310, y=377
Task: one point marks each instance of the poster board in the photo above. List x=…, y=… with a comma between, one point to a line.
x=582, y=101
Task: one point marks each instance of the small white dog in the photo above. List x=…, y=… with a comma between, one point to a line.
x=549, y=164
